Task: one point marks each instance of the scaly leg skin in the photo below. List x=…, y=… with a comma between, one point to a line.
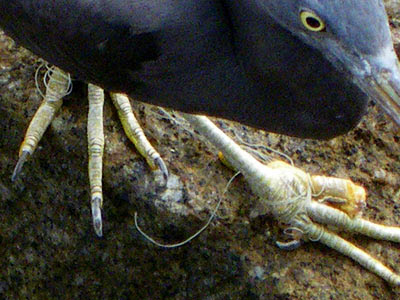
x=135, y=133
x=57, y=87
x=288, y=193
x=96, y=148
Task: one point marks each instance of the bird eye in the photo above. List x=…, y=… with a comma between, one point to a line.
x=311, y=21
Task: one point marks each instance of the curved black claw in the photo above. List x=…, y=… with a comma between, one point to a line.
x=96, y=215
x=17, y=170
x=162, y=167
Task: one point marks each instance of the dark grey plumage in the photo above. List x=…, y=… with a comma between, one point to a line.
x=250, y=61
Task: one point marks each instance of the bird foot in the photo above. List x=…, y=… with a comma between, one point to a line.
x=305, y=203
x=58, y=86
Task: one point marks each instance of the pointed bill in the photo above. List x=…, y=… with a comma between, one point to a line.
x=384, y=84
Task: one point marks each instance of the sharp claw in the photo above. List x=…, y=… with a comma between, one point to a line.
x=22, y=159
x=288, y=246
x=96, y=215
x=162, y=167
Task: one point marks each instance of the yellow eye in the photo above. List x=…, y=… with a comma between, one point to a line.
x=311, y=21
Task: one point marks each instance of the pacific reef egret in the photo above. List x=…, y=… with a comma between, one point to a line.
x=304, y=68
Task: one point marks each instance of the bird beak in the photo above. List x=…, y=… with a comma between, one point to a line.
x=384, y=84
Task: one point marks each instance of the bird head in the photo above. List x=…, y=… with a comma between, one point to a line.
x=354, y=36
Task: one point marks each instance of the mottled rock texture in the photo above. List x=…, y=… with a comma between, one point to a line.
x=48, y=249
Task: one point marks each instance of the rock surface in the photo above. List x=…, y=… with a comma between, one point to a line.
x=48, y=249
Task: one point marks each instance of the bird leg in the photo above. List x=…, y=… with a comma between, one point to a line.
x=95, y=149
x=58, y=86
x=299, y=200
x=135, y=133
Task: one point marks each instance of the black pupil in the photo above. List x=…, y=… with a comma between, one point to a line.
x=313, y=22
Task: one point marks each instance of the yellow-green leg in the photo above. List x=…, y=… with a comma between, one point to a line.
x=96, y=149
x=135, y=133
x=57, y=87
x=293, y=197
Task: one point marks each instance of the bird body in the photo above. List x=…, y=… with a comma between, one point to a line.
x=230, y=59
x=299, y=67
